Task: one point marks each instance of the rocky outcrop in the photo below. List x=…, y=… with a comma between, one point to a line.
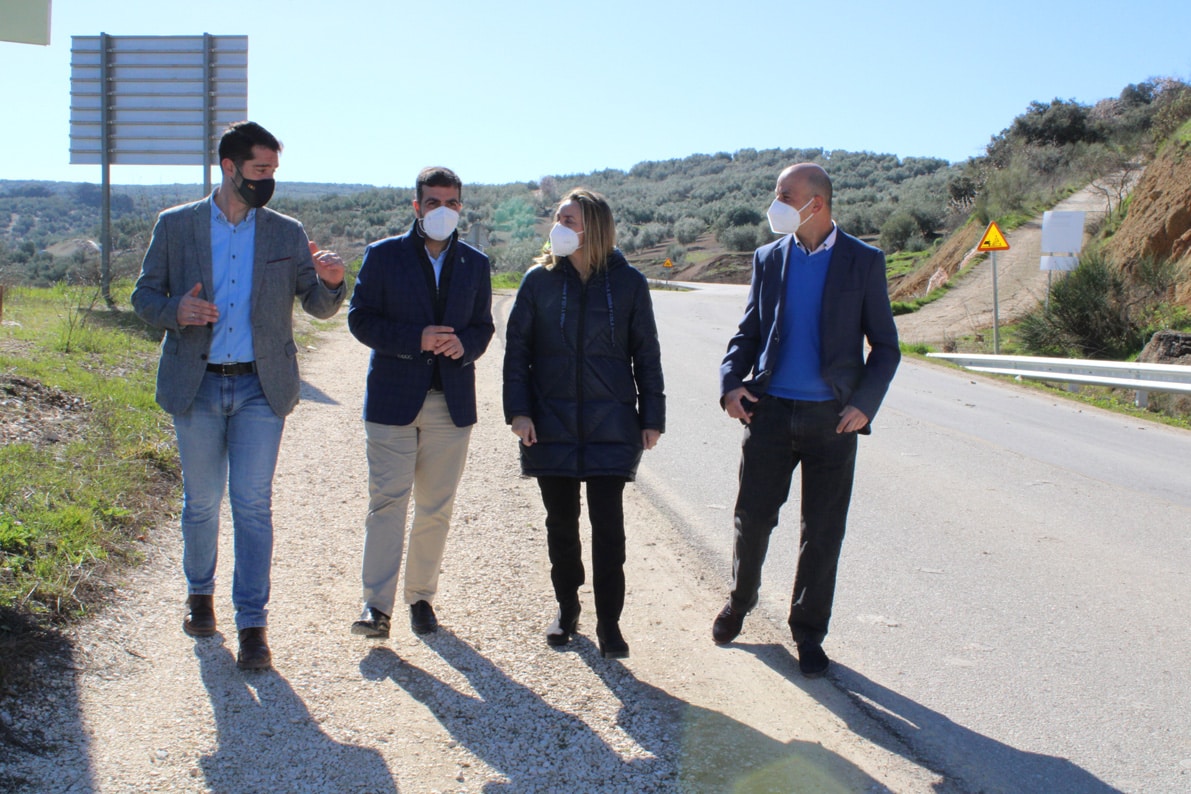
x=940, y=267
x=1170, y=347
x=1159, y=220
x=1167, y=347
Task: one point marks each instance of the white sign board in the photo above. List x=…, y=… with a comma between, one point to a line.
x=1062, y=232
x=1059, y=262
x=165, y=97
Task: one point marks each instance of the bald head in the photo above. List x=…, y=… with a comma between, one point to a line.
x=806, y=189
x=806, y=179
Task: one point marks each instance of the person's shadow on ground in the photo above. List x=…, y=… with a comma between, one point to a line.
x=535, y=746
x=507, y=726
x=268, y=740
x=714, y=752
x=958, y=754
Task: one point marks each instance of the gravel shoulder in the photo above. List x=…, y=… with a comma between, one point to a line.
x=483, y=705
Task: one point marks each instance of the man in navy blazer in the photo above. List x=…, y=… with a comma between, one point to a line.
x=220, y=278
x=795, y=374
x=423, y=303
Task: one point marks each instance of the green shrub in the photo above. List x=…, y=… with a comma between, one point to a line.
x=897, y=230
x=1088, y=316
x=687, y=230
x=738, y=238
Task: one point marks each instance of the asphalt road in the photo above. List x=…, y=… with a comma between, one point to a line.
x=1014, y=593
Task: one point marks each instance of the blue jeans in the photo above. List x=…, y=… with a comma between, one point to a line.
x=229, y=435
x=782, y=435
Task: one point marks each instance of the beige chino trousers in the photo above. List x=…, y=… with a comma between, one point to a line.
x=427, y=459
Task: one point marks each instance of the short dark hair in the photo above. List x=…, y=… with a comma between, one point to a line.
x=239, y=139
x=437, y=176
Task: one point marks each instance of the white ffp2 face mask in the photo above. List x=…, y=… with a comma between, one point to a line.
x=564, y=241
x=440, y=223
x=783, y=218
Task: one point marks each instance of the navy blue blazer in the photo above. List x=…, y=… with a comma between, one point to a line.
x=391, y=305
x=855, y=308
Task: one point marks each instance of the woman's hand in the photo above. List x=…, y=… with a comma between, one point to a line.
x=649, y=438
x=523, y=429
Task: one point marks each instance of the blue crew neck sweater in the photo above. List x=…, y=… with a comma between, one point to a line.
x=796, y=375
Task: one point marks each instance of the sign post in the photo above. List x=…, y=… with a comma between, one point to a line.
x=993, y=241
x=669, y=266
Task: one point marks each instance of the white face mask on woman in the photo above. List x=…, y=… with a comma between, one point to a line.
x=783, y=218
x=440, y=223
x=564, y=241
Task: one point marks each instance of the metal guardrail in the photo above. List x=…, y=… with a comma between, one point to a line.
x=1141, y=378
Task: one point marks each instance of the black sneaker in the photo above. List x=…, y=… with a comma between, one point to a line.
x=422, y=619
x=373, y=623
x=811, y=659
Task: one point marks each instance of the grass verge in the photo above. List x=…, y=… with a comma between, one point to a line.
x=88, y=466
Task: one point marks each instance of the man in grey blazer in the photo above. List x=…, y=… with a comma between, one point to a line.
x=220, y=278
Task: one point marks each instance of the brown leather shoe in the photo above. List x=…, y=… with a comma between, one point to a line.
x=201, y=620
x=254, y=650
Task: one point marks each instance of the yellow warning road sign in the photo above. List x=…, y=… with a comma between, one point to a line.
x=993, y=239
x=667, y=263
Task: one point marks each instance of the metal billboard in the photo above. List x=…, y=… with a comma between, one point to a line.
x=154, y=100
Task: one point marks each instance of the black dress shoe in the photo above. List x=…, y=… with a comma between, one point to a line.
x=727, y=624
x=254, y=650
x=811, y=659
x=373, y=623
x=612, y=644
x=422, y=619
x=565, y=624
x=201, y=620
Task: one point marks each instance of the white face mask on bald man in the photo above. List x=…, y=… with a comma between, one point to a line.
x=784, y=219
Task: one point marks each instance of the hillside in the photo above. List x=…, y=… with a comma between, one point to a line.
x=1159, y=220
x=700, y=211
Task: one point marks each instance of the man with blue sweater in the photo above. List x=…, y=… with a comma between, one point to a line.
x=796, y=376
x=423, y=303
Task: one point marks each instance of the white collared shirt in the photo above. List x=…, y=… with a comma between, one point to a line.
x=824, y=246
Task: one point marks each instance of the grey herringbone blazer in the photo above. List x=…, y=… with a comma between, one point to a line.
x=179, y=257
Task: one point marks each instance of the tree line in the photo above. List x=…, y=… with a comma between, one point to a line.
x=902, y=204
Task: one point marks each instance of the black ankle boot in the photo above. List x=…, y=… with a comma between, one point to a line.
x=612, y=644
x=565, y=624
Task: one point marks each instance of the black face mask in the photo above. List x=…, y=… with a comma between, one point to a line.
x=255, y=192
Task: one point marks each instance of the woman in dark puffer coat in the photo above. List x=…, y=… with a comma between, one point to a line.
x=583, y=391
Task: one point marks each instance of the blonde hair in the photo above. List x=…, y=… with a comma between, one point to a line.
x=599, y=230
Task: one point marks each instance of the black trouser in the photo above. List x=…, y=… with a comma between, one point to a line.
x=782, y=435
x=605, y=508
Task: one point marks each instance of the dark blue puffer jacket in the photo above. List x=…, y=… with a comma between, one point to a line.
x=583, y=361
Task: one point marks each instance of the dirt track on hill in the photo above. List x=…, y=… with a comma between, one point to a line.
x=967, y=308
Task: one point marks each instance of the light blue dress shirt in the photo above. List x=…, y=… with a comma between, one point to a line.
x=232, y=249
x=437, y=264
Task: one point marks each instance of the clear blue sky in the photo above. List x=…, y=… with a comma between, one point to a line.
x=369, y=91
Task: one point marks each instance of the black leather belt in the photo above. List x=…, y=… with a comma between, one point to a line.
x=227, y=370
